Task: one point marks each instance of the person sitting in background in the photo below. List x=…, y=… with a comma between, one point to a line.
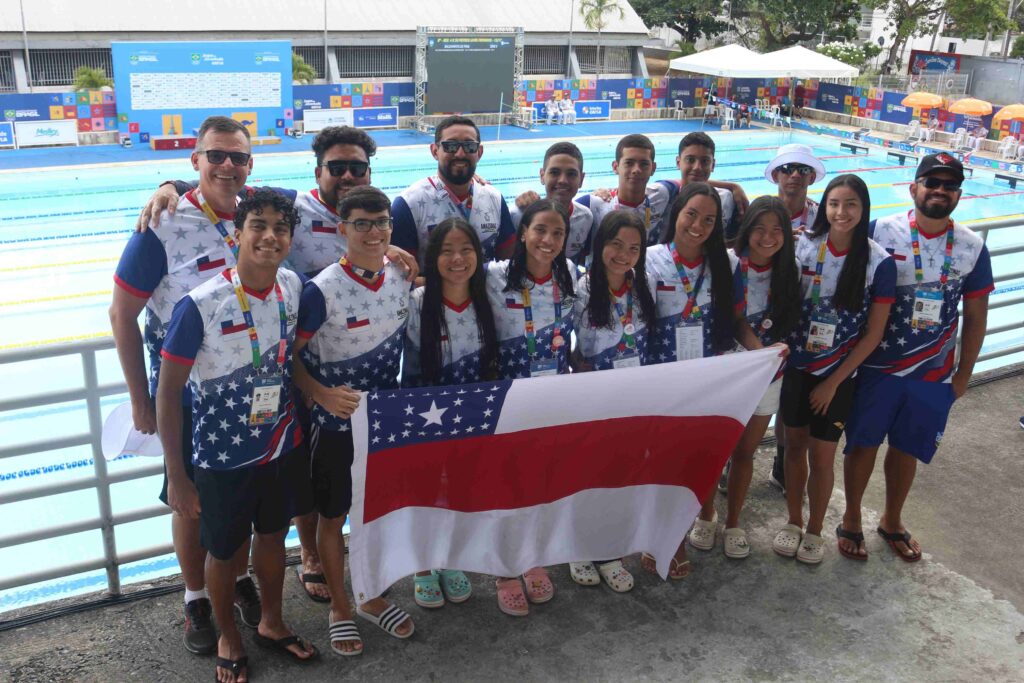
x=566, y=111
x=976, y=137
x=550, y=111
x=929, y=130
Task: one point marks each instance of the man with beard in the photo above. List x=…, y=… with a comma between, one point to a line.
x=453, y=193
x=907, y=386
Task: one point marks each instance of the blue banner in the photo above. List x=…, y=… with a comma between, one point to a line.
x=376, y=117
x=893, y=111
x=685, y=90
x=354, y=96
x=6, y=134
x=832, y=96
x=31, y=107
x=588, y=110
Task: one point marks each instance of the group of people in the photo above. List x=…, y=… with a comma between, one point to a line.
x=269, y=310
x=562, y=111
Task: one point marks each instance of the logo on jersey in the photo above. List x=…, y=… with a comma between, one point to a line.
x=322, y=228
x=402, y=313
x=204, y=264
x=231, y=327
x=354, y=322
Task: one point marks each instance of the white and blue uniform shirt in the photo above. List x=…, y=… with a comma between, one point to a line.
x=670, y=300
x=317, y=242
x=653, y=210
x=209, y=333
x=460, y=347
x=880, y=287
x=510, y=321
x=420, y=207
x=355, y=332
x=165, y=263
x=577, y=239
x=602, y=346
x=927, y=354
x=805, y=219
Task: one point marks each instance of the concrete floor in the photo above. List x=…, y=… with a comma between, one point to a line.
x=954, y=616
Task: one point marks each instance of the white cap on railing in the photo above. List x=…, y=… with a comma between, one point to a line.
x=121, y=438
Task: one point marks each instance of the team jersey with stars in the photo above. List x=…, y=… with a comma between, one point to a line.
x=670, y=300
x=208, y=332
x=317, y=242
x=460, y=347
x=928, y=354
x=165, y=263
x=355, y=331
x=805, y=218
x=602, y=346
x=577, y=242
x=728, y=203
x=510, y=321
x=880, y=287
x=653, y=209
x=423, y=205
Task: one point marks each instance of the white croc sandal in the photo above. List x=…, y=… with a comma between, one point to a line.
x=584, y=573
x=616, y=576
x=702, y=535
x=788, y=540
x=812, y=550
x=734, y=543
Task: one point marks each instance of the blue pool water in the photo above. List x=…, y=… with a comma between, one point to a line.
x=62, y=230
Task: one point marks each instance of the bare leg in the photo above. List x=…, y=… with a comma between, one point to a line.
x=268, y=561
x=858, y=465
x=306, y=526
x=900, y=469
x=191, y=555
x=820, y=482
x=331, y=546
x=220, y=582
x=797, y=439
x=743, y=468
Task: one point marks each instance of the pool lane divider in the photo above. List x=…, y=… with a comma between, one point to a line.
x=61, y=264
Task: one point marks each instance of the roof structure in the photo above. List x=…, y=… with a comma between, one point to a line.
x=736, y=61
x=799, y=62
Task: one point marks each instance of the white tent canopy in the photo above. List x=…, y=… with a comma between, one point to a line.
x=736, y=61
x=799, y=62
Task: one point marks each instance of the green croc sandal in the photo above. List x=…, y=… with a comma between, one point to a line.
x=455, y=585
x=427, y=591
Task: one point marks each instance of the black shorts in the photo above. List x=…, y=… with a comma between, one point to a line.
x=186, y=450
x=234, y=502
x=796, y=405
x=332, y=454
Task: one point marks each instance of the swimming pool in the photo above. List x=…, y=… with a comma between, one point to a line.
x=62, y=231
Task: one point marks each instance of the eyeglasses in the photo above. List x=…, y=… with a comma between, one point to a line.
x=338, y=167
x=933, y=183
x=217, y=157
x=364, y=225
x=790, y=169
x=452, y=146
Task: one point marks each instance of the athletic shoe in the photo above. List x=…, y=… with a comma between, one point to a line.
x=247, y=602
x=200, y=635
x=723, y=481
x=778, y=474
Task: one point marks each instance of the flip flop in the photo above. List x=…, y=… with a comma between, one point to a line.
x=899, y=537
x=281, y=645
x=389, y=620
x=344, y=631
x=306, y=577
x=235, y=666
x=855, y=536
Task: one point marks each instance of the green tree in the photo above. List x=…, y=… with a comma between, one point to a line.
x=682, y=48
x=1018, y=47
x=692, y=19
x=851, y=53
x=87, y=78
x=594, y=12
x=302, y=72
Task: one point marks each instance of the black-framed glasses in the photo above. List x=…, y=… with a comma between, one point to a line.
x=452, y=146
x=790, y=169
x=933, y=183
x=364, y=224
x=217, y=157
x=338, y=167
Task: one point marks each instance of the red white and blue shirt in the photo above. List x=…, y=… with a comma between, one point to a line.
x=602, y=346
x=928, y=354
x=317, y=242
x=577, y=239
x=165, y=263
x=805, y=219
x=460, y=345
x=420, y=207
x=355, y=330
x=653, y=209
x=208, y=332
x=880, y=287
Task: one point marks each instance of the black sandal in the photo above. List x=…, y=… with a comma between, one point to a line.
x=855, y=536
x=900, y=537
x=309, y=577
x=235, y=666
x=281, y=645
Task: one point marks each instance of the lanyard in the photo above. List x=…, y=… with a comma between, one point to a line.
x=464, y=207
x=626, y=318
x=816, y=287
x=691, y=291
x=800, y=221
x=243, y=302
x=647, y=209
x=362, y=272
x=915, y=242
x=217, y=222
x=766, y=322
x=531, y=335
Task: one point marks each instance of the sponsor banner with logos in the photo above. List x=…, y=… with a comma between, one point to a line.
x=39, y=133
x=7, y=134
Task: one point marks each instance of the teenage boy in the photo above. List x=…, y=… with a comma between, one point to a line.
x=696, y=163
x=351, y=326
x=156, y=269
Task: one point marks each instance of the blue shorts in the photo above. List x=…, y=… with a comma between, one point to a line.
x=912, y=413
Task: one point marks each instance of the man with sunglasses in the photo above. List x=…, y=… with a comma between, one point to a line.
x=907, y=385
x=453, y=193
x=794, y=169
x=157, y=268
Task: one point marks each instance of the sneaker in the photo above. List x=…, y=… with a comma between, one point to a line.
x=723, y=481
x=247, y=602
x=200, y=635
x=777, y=477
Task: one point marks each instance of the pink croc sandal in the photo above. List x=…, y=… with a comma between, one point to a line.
x=511, y=599
x=538, y=585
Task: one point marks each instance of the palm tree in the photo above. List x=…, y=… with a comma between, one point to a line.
x=594, y=12
x=302, y=72
x=87, y=78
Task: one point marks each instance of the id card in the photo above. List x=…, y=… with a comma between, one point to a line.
x=266, y=398
x=822, y=332
x=690, y=341
x=927, y=309
x=543, y=368
x=630, y=361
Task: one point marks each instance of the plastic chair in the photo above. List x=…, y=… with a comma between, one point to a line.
x=1008, y=147
x=680, y=111
x=913, y=135
x=959, y=138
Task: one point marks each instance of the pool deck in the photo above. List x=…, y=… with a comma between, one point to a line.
x=954, y=616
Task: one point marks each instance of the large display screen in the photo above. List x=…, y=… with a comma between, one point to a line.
x=469, y=73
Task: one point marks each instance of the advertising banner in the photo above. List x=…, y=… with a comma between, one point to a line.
x=38, y=133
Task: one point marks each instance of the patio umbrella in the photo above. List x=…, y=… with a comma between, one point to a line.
x=924, y=100
x=1012, y=111
x=971, y=107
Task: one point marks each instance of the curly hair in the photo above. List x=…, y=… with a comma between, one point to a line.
x=261, y=199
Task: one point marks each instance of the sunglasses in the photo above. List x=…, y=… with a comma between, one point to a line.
x=217, y=157
x=338, y=167
x=790, y=169
x=933, y=183
x=452, y=146
x=365, y=225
